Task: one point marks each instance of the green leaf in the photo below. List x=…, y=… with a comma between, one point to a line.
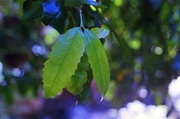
x=85, y=93
x=62, y=61
x=77, y=82
x=84, y=64
x=32, y=9
x=98, y=61
x=80, y=76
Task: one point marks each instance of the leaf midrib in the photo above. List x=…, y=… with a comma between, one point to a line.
x=98, y=63
x=61, y=64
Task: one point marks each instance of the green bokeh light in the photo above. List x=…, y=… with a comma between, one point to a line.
x=135, y=44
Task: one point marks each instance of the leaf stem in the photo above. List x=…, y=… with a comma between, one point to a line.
x=81, y=19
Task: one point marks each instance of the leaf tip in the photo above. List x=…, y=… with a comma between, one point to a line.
x=102, y=98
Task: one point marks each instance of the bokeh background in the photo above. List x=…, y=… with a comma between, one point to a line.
x=143, y=86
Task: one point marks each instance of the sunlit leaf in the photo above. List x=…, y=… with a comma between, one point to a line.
x=62, y=61
x=98, y=61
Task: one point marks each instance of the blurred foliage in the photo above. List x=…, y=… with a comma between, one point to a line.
x=150, y=27
x=20, y=52
x=56, y=73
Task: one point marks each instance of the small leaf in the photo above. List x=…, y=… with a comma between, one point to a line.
x=100, y=32
x=32, y=9
x=62, y=61
x=98, y=61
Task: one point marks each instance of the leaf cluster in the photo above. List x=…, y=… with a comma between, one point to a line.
x=78, y=50
x=69, y=65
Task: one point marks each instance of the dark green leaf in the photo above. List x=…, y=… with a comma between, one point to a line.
x=86, y=88
x=123, y=44
x=77, y=82
x=88, y=21
x=62, y=61
x=32, y=9
x=54, y=14
x=90, y=17
x=80, y=76
x=84, y=64
x=85, y=92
